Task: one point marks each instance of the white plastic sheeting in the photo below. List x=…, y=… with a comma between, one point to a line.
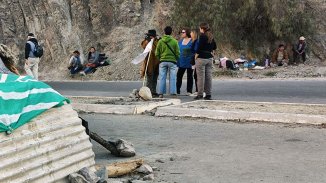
x=47, y=149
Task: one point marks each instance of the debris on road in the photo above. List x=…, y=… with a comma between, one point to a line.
x=123, y=168
x=120, y=148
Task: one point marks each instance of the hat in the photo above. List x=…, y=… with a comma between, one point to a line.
x=151, y=32
x=302, y=38
x=30, y=34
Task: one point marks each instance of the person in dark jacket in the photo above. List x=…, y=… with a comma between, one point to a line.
x=153, y=62
x=299, y=50
x=204, y=62
x=31, y=61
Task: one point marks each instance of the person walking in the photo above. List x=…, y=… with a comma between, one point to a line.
x=299, y=50
x=168, y=52
x=183, y=63
x=204, y=62
x=31, y=60
x=153, y=63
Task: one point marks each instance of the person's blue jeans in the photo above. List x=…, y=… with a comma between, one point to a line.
x=164, y=68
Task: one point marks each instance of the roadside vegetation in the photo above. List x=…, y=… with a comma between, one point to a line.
x=248, y=25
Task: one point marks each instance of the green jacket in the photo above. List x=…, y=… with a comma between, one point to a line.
x=163, y=53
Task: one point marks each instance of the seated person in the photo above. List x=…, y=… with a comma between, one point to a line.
x=75, y=63
x=280, y=57
x=92, y=61
x=299, y=51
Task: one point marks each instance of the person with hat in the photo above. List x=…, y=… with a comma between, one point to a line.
x=31, y=61
x=153, y=63
x=299, y=50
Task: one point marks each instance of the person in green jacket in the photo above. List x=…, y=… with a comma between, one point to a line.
x=168, y=52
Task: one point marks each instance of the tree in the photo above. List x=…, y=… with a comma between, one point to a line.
x=246, y=23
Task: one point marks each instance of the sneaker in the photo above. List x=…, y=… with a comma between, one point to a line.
x=199, y=97
x=160, y=96
x=208, y=97
x=194, y=94
x=204, y=94
x=82, y=73
x=189, y=93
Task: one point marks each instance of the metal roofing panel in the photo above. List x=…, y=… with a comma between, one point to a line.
x=47, y=149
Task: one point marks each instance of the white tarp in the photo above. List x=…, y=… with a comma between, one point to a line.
x=140, y=58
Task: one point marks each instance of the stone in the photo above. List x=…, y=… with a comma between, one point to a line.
x=145, y=169
x=134, y=94
x=138, y=181
x=125, y=148
x=117, y=180
x=145, y=93
x=91, y=177
x=77, y=178
x=149, y=177
x=159, y=161
x=102, y=173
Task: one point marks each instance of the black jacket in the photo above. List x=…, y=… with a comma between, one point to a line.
x=205, y=48
x=28, y=47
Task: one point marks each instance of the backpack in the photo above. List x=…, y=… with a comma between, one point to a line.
x=38, y=50
x=230, y=65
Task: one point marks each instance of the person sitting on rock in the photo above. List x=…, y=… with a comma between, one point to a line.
x=299, y=50
x=92, y=61
x=280, y=57
x=75, y=63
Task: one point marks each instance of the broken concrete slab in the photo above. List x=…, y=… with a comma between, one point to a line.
x=249, y=111
x=118, y=105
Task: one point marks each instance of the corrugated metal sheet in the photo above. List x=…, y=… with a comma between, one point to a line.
x=47, y=149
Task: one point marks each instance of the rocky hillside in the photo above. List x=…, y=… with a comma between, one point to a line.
x=114, y=27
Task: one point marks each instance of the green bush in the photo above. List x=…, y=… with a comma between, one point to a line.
x=246, y=23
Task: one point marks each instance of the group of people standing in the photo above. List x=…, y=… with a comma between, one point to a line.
x=192, y=53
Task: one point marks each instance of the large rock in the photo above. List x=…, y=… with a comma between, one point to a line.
x=125, y=149
x=77, y=178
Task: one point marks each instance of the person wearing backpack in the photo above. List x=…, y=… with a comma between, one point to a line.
x=168, y=52
x=33, y=52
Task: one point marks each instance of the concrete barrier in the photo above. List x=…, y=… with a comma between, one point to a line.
x=47, y=149
x=94, y=104
x=201, y=109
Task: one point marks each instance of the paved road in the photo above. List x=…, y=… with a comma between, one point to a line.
x=299, y=91
x=212, y=151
